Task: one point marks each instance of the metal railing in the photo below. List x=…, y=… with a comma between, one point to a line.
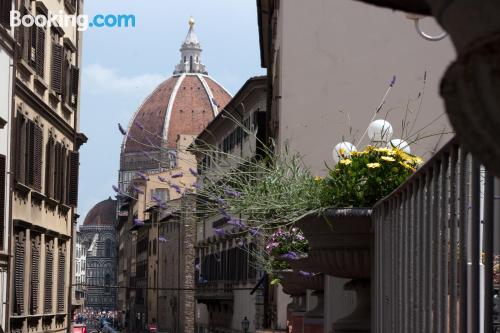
x=427, y=254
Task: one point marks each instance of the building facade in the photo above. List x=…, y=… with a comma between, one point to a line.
x=99, y=244
x=154, y=170
x=45, y=162
x=327, y=76
x=78, y=278
x=7, y=45
x=229, y=284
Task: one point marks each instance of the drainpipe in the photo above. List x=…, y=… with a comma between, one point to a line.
x=10, y=224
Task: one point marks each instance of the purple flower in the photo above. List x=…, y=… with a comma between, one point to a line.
x=142, y=175
x=272, y=245
x=116, y=189
x=305, y=273
x=290, y=255
x=162, y=239
x=138, y=124
x=122, y=130
x=393, y=81
x=193, y=172
x=219, y=232
x=225, y=214
x=138, y=222
x=137, y=190
x=232, y=192
x=254, y=231
x=176, y=188
x=163, y=179
x=177, y=175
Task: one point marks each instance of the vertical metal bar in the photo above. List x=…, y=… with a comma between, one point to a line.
x=454, y=181
x=410, y=258
x=488, y=234
x=444, y=256
x=400, y=263
x=422, y=262
x=399, y=251
x=404, y=261
x=393, y=276
x=428, y=255
x=475, y=253
x=435, y=223
x=414, y=223
x=464, y=225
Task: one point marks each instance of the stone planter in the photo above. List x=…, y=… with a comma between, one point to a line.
x=340, y=244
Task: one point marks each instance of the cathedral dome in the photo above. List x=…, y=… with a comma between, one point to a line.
x=102, y=214
x=183, y=104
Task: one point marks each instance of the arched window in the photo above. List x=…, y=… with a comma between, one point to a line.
x=108, y=248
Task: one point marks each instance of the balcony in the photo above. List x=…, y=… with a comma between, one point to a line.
x=214, y=291
x=434, y=249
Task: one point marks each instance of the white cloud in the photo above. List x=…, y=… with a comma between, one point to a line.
x=100, y=80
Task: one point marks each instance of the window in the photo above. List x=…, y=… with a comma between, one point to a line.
x=61, y=278
x=107, y=283
x=35, y=273
x=70, y=79
x=28, y=155
x=108, y=248
x=49, y=272
x=57, y=63
x=19, y=257
x=5, y=8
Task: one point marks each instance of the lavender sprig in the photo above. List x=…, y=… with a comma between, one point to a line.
x=122, y=130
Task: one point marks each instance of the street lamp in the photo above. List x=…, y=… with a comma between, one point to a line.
x=343, y=149
x=400, y=144
x=380, y=131
x=245, y=324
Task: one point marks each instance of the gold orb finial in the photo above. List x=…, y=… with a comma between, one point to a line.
x=191, y=22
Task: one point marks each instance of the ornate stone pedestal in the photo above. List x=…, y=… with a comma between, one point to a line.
x=340, y=244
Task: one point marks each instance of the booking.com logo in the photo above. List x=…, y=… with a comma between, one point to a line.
x=80, y=22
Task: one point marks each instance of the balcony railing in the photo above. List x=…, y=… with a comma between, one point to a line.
x=432, y=237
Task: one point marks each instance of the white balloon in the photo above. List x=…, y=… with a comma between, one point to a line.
x=400, y=144
x=346, y=146
x=380, y=131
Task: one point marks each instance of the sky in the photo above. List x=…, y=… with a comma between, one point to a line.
x=122, y=66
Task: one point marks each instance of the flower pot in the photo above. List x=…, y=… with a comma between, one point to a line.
x=340, y=244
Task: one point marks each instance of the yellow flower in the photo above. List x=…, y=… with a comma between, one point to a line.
x=373, y=165
x=346, y=162
x=341, y=151
x=383, y=150
x=418, y=160
x=387, y=158
x=318, y=178
x=407, y=166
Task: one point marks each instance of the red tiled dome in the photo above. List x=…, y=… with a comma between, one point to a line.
x=104, y=213
x=183, y=104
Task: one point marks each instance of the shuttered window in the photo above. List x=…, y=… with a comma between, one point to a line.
x=61, y=272
x=35, y=273
x=71, y=77
x=5, y=7
x=49, y=272
x=57, y=68
x=28, y=154
x=19, y=258
x=3, y=207
x=40, y=51
x=74, y=165
x=50, y=167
